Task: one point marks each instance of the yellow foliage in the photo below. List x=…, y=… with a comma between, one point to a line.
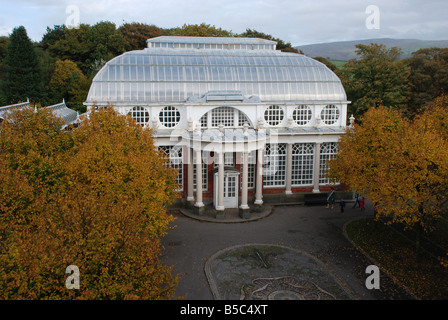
x=93, y=197
x=401, y=166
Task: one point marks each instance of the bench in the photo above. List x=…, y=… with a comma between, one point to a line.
x=315, y=198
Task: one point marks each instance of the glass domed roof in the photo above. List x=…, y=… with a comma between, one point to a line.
x=174, y=69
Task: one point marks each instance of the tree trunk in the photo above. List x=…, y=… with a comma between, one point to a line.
x=418, y=238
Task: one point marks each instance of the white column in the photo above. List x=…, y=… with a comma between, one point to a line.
x=259, y=177
x=316, y=167
x=190, y=186
x=220, y=206
x=245, y=180
x=199, y=202
x=288, y=168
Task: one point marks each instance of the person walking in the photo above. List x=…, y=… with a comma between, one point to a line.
x=330, y=199
x=361, y=203
x=342, y=205
x=356, y=200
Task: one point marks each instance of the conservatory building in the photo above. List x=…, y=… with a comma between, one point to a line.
x=241, y=121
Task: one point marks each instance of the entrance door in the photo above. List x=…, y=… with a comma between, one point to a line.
x=230, y=199
x=230, y=191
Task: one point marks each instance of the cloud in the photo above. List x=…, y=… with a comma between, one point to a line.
x=298, y=22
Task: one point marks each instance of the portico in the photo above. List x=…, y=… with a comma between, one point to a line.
x=230, y=180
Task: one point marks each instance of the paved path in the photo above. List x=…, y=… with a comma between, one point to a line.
x=313, y=231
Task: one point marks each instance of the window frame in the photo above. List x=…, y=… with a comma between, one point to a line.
x=169, y=116
x=328, y=150
x=139, y=112
x=302, y=164
x=175, y=156
x=274, y=159
x=274, y=115
x=330, y=114
x=302, y=115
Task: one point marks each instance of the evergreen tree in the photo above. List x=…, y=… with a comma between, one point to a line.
x=3, y=44
x=23, y=69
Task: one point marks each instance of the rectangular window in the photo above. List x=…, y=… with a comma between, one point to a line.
x=328, y=151
x=228, y=159
x=274, y=165
x=251, y=169
x=231, y=187
x=174, y=153
x=302, y=164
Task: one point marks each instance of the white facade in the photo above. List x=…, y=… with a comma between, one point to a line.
x=257, y=121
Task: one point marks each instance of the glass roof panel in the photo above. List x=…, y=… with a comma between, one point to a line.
x=174, y=75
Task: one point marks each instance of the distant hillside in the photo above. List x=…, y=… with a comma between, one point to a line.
x=345, y=50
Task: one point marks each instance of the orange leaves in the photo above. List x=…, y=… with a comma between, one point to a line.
x=94, y=197
x=401, y=166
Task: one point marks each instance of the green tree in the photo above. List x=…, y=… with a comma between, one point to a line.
x=328, y=63
x=90, y=47
x=79, y=90
x=281, y=45
x=51, y=36
x=200, y=30
x=94, y=197
x=23, y=70
x=3, y=45
x=428, y=78
x=377, y=78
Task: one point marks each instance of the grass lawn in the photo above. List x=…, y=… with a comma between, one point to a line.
x=338, y=63
x=425, y=279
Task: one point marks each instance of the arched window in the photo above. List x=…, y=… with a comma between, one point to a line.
x=140, y=115
x=242, y=119
x=224, y=116
x=227, y=116
x=274, y=115
x=169, y=116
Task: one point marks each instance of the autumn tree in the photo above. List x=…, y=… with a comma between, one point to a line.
x=65, y=77
x=377, y=77
x=401, y=166
x=136, y=34
x=94, y=197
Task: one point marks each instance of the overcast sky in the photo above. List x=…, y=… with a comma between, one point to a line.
x=296, y=21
